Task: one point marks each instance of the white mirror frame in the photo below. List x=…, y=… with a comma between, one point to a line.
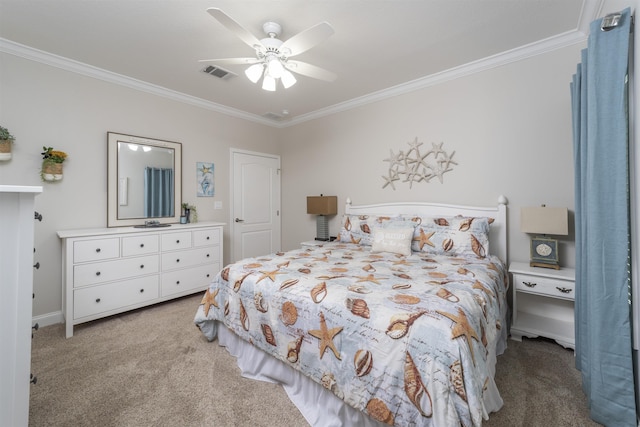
x=112, y=179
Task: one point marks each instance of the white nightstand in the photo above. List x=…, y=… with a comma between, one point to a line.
x=543, y=303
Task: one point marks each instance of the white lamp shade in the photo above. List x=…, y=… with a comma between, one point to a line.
x=288, y=79
x=268, y=83
x=544, y=220
x=275, y=68
x=254, y=72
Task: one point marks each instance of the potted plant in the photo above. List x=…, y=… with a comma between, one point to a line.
x=52, y=164
x=6, y=139
x=189, y=212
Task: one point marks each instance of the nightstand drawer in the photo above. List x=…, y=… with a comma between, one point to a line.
x=545, y=286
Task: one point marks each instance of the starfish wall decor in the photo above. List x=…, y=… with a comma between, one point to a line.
x=415, y=166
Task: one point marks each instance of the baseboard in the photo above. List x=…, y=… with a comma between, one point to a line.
x=48, y=319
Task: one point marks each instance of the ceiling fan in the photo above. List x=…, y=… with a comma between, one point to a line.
x=272, y=60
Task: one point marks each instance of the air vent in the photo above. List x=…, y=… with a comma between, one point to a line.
x=218, y=72
x=273, y=116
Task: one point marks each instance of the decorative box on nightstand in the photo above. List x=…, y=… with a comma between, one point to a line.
x=543, y=303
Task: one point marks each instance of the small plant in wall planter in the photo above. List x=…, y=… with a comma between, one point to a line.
x=189, y=213
x=6, y=139
x=52, y=164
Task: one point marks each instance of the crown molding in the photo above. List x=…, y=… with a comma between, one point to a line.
x=498, y=60
x=590, y=8
x=32, y=54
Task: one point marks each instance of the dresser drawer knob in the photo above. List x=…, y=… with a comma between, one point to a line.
x=141, y=291
x=177, y=241
x=208, y=255
x=208, y=237
x=563, y=290
x=97, y=273
x=141, y=265
x=178, y=260
x=97, y=299
x=208, y=275
x=529, y=284
x=177, y=282
x=142, y=245
x=98, y=250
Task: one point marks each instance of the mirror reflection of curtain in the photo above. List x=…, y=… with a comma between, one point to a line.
x=158, y=192
x=603, y=316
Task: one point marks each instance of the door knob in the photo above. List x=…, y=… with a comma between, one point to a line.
x=239, y=220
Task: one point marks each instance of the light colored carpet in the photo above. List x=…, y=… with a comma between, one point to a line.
x=153, y=367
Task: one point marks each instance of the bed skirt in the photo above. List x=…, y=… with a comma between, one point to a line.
x=318, y=406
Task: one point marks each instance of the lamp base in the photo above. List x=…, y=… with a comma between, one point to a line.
x=544, y=265
x=322, y=228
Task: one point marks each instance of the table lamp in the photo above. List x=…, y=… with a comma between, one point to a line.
x=322, y=206
x=543, y=221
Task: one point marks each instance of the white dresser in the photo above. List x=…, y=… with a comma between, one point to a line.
x=111, y=270
x=16, y=291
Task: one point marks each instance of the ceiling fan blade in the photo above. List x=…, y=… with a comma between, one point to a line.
x=234, y=27
x=308, y=38
x=232, y=61
x=310, y=70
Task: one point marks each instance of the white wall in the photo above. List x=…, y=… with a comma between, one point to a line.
x=43, y=105
x=510, y=128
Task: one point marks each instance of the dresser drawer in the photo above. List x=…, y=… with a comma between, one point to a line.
x=100, y=272
x=206, y=237
x=140, y=245
x=96, y=250
x=190, y=258
x=174, y=241
x=545, y=286
x=98, y=299
x=190, y=279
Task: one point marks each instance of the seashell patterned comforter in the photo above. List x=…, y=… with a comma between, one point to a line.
x=404, y=339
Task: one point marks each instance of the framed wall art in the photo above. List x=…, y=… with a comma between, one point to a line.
x=204, y=176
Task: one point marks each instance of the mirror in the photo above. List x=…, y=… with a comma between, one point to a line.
x=144, y=180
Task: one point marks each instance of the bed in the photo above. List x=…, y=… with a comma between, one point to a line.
x=398, y=322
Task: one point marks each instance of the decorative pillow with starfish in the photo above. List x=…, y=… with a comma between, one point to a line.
x=455, y=236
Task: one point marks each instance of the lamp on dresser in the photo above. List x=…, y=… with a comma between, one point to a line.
x=543, y=221
x=322, y=206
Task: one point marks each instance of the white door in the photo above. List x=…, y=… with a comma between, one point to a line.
x=255, y=204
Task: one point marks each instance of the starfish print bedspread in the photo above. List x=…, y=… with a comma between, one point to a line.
x=403, y=338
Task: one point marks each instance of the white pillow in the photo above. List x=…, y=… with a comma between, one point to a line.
x=394, y=240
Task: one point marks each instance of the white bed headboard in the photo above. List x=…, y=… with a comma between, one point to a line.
x=497, y=235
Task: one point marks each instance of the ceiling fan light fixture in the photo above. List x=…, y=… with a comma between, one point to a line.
x=254, y=72
x=268, y=83
x=275, y=68
x=288, y=79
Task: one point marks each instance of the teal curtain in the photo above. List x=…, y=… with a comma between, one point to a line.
x=158, y=192
x=602, y=225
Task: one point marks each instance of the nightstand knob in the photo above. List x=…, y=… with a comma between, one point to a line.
x=529, y=284
x=564, y=290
